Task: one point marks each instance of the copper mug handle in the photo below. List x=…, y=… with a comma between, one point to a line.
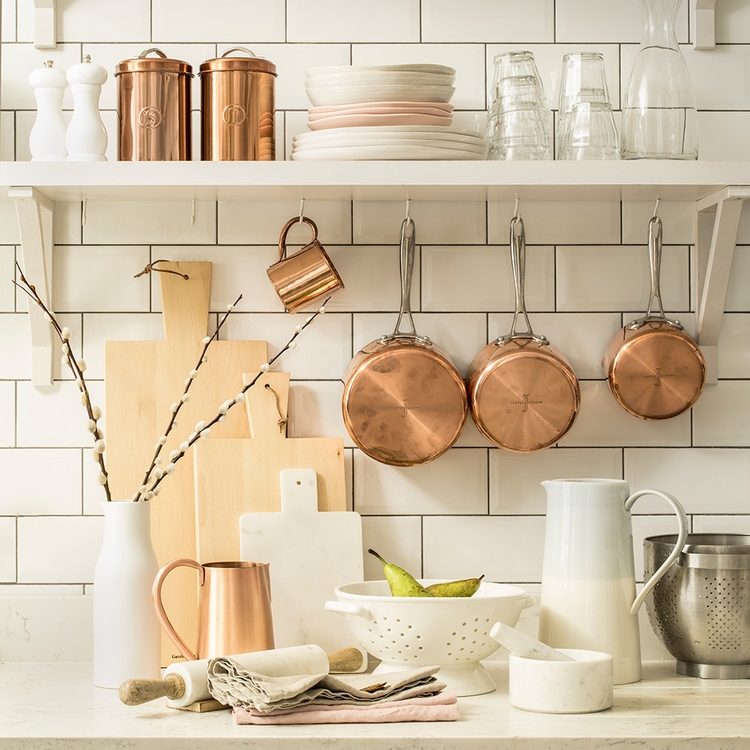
x=161, y=612
x=288, y=226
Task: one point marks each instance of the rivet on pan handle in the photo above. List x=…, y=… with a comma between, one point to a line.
x=518, y=265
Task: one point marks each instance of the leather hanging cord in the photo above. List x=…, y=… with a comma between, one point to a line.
x=152, y=267
x=282, y=419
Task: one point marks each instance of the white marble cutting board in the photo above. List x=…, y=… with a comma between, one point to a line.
x=311, y=553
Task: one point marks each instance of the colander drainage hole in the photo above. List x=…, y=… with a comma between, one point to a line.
x=463, y=624
x=419, y=637
x=421, y=649
x=476, y=619
x=453, y=633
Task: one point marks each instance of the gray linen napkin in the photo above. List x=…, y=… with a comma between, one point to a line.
x=232, y=685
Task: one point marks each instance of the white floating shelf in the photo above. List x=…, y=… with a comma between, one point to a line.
x=335, y=180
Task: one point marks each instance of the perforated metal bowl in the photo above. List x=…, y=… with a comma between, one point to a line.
x=701, y=607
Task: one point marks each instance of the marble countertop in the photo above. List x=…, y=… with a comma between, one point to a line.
x=55, y=705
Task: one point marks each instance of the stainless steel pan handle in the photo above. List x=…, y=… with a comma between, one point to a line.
x=655, y=310
x=518, y=265
x=406, y=267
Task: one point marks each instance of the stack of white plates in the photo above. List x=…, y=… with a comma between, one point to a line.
x=408, y=142
x=347, y=84
x=383, y=112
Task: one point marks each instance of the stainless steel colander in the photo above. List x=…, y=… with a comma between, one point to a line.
x=701, y=607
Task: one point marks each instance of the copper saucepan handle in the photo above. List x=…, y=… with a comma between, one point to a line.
x=288, y=226
x=406, y=268
x=161, y=612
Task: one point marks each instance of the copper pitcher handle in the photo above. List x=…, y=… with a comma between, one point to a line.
x=161, y=612
x=288, y=226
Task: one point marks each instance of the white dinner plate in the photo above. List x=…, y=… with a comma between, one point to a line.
x=400, y=153
x=390, y=132
x=327, y=95
x=350, y=121
x=381, y=108
x=413, y=67
x=422, y=143
x=382, y=79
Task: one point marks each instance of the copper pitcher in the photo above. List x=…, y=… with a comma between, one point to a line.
x=306, y=276
x=234, y=608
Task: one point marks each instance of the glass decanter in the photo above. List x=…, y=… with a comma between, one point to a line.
x=659, y=115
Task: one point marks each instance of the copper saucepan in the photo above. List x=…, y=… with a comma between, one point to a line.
x=523, y=394
x=655, y=370
x=404, y=401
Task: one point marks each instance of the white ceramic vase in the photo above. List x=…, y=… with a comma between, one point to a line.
x=126, y=629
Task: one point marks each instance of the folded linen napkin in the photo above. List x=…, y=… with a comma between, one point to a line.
x=442, y=707
x=232, y=685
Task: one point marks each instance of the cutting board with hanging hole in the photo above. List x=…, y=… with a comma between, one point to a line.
x=233, y=477
x=142, y=379
x=310, y=553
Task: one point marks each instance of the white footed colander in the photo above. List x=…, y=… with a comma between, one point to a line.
x=450, y=632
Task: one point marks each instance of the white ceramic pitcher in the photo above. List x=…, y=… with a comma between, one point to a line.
x=588, y=579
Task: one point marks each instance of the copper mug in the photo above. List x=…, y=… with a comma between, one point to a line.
x=306, y=276
x=234, y=608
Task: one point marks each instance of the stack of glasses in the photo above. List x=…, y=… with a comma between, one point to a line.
x=518, y=124
x=586, y=124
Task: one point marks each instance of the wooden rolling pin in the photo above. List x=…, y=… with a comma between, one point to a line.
x=185, y=683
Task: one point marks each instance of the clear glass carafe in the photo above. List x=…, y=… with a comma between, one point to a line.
x=659, y=116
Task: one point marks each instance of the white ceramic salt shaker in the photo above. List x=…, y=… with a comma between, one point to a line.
x=47, y=137
x=86, y=138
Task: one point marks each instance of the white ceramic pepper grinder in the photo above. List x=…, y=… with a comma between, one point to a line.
x=47, y=137
x=86, y=138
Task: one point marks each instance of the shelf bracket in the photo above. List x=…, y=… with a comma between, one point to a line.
x=718, y=219
x=45, y=24
x=705, y=24
x=35, y=214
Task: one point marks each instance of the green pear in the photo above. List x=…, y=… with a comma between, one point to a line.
x=400, y=582
x=464, y=587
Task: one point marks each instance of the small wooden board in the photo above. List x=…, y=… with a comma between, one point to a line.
x=233, y=477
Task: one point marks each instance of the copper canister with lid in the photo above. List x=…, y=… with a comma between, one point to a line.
x=153, y=107
x=237, y=107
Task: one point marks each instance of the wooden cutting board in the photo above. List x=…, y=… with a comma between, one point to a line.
x=311, y=553
x=233, y=477
x=142, y=379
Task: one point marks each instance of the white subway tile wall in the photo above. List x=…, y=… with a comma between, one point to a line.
x=476, y=509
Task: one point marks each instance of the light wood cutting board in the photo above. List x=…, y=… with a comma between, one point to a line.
x=233, y=477
x=310, y=554
x=142, y=379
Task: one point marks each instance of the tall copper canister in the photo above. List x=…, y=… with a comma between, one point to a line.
x=237, y=107
x=153, y=108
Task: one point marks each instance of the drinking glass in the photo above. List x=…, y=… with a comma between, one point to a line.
x=513, y=65
x=583, y=80
x=590, y=133
x=520, y=133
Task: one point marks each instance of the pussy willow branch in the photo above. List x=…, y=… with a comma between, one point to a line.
x=207, y=341
x=30, y=291
x=220, y=415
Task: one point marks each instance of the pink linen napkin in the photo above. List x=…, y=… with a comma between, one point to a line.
x=442, y=707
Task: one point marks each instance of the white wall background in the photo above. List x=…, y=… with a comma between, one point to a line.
x=476, y=509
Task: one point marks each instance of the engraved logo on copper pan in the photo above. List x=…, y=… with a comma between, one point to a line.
x=150, y=118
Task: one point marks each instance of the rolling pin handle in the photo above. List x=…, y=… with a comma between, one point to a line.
x=135, y=692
